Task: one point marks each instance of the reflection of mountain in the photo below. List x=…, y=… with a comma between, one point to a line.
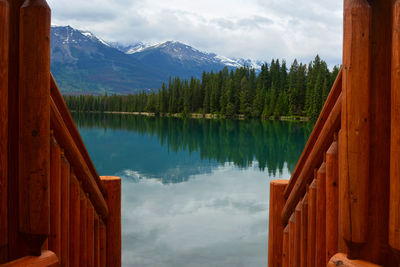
x=271, y=143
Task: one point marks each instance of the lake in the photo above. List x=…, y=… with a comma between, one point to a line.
x=194, y=192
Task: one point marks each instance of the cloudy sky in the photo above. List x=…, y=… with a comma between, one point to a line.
x=257, y=29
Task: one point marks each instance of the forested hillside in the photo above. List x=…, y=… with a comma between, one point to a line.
x=300, y=90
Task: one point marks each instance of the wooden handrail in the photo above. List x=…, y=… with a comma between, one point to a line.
x=73, y=130
x=47, y=258
x=77, y=161
x=326, y=110
x=314, y=159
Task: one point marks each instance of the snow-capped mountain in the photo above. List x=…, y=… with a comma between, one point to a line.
x=85, y=63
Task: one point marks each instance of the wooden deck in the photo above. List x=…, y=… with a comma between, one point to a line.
x=341, y=206
x=55, y=210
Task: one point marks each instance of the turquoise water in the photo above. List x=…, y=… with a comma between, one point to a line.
x=194, y=192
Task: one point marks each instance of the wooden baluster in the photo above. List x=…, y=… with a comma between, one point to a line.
x=394, y=212
x=83, y=230
x=355, y=145
x=113, y=226
x=276, y=204
x=332, y=203
x=103, y=244
x=74, y=218
x=4, y=39
x=297, y=235
x=65, y=209
x=320, y=232
x=312, y=202
x=55, y=198
x=34, y=121
x=90, y=234
x=285, y=247
x=342, y=247
x=96, y=240
x=292, y=229
x=304, y=228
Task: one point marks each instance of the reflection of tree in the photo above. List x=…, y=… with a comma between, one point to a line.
x=270, y=143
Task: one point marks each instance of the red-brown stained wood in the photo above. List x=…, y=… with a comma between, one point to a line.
x=303, y=234
x=332, y=200
x=297, y=236
x=4, y=39
x=46, y=259
x=292, y=229
x=96, y=240
x=113, y=224
x=83, y=231
x=55, y=198
x=355, y=146
x=394, y=212
x=65, y=209
x=341, y=259
x=90, y=235
x=312, y=202
x=342, y=247
x=285, y=248
x=74, y=218
x=103, y=244
x=320, y=231
x=323, y=142
x=275, y=235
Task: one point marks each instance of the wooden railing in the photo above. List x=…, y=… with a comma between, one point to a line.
x=341, y=207
x=55, y=210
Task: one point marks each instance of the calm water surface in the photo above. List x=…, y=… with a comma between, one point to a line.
x=194, y=192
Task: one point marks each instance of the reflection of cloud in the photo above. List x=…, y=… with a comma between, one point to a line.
x=217, y=219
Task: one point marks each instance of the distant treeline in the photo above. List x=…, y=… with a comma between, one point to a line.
x=275, y=91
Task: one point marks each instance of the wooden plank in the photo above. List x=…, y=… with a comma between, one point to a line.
x=323, y=142
x=275, y=235
x=292, y=229
x=304, y=228
x=312, y=202
x=90, y=235
x=320, y=231
x=65, y=209
x=332, y=203
x=46, y=259
x=326, y=110
x=77, y=162
x=74, y=218
x=113, y=224
x=103, y=244
x=96, y=240
x=83, y=231
x=341, y=259
x=34, y=116
x=285, y=249
x=355, y=145
x=55, y=198
x=4, y=39
x=297, y=236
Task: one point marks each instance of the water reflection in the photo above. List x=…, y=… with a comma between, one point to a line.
x=194, y=192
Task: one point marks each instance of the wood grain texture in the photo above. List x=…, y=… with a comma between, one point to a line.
x=103, y=244
x=304, y=229
x=90, y=235
x=83, y=252
x=96, y=240
x=297, y=236
x=341, y=259
x=55, y=198
x=75, y=222
x=65, y=209
x=312, y=202
x=320, y=231
x=46, y=259
x=292, y=232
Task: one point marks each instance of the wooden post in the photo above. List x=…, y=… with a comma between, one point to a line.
x=394, y=212
x=356, y=122
x=292, y=222
x=90, y=234
x=34, y=121
x=341, y=259
x=303, y=235
x=342, y=247
x=312, y=202
x=113, y=224
x=285, y=247
x=320, y=252
x=83, y=231
x=55, y=198
x=103, y=244
x=74, y=218
x=297, y=235
x=4, y=39
x=276, y=204
x=65, y=209
x=332, y=203
x=96, y=240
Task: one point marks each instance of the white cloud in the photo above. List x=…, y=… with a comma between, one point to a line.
x=258, y=29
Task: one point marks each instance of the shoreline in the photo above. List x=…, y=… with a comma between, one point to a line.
x=200, y=116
